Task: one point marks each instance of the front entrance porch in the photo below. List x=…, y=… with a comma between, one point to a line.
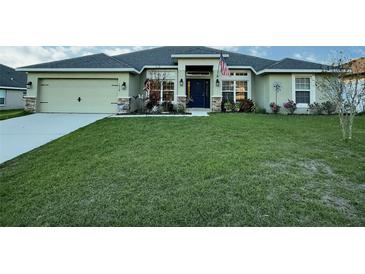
x=198, y=93
x=198, y=86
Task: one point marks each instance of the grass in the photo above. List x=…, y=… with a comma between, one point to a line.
x=12, y=113
x=222, y=170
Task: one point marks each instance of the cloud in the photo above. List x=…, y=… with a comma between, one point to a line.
x=23, y=56
x=306, y=56
x=310, y=57
x=122, y=50
x=258, y=51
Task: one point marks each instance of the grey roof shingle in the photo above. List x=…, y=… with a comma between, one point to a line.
x=11, y=78
x=161, y=56
x=289, y=63
x=97, y=61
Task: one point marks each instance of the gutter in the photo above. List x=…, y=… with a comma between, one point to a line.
x=77, y=70
x=163, y=67
x=16, y=88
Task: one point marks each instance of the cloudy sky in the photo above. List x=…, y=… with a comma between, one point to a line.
x=22, y=56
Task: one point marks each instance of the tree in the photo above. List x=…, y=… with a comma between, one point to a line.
x=152, y=89
x=344, y=88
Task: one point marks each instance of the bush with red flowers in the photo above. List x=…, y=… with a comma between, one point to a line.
x=290, y=106
x=274, y=108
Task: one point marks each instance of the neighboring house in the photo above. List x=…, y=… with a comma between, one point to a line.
x=97, y=83
x=12, y=88
x=358, y=71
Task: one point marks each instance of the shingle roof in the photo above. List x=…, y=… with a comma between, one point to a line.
x=97, y=61
x=161, y=56
x=11, y=78
x=289, y=63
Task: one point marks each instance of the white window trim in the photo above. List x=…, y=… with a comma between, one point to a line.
x=235, y=78
x=161, y=90
x=312, y=91
x=171, y=75
x=234, y=86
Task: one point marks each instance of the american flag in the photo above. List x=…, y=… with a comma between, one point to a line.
x=223, y=66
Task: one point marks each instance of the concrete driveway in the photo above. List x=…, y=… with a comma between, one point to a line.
x=22, y=134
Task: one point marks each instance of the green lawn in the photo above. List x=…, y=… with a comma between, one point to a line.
x=12, y=113
x=222, y=170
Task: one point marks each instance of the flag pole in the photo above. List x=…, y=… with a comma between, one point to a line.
x=219, y=63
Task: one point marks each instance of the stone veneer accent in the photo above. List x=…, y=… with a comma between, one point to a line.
x=124, y=105
x=216, y=101
x=30, y=104
x=181, y=100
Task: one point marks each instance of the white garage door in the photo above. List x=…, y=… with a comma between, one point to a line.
x=78, y=95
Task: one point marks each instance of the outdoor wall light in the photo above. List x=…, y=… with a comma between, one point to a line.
x=124, y=85
x=29, y=85
x=181, y=82
x=217, y=83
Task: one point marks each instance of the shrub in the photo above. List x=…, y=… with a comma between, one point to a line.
x=223, y=109
x=290, y=106
x=180, y=108
x=149, y=105
x=228, y=106
x=316, y=108
x=274, y=108
x=237, y=106
x=247, y=105
x=328, y=107
x=167, y=106
x=156, y=110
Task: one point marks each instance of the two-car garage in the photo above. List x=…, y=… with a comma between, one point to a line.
x=78, y=95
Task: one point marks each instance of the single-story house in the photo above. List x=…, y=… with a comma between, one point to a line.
x=98, y=83
x=12, y=88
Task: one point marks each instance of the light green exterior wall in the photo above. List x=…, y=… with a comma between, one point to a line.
x=263, y=92
x=214, y=90
x=260, y=91
x=261, y=85
x=134, y=90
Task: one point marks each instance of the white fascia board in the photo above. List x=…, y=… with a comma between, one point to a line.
x=290, y=71
x=78, y=70
x=198, y=55
x=3, y=87
x=157, y=67
x=243, y=67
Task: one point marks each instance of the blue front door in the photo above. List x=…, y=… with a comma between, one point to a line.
x=198, y=92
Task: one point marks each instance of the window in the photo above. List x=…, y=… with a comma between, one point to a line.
x=234, y=91
x=238, y=73
x=168, y=91
x=2, y=97
x=241, y=91
x=155, y=93
x=162, y=90
x=302, y=90
x=228, y=91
